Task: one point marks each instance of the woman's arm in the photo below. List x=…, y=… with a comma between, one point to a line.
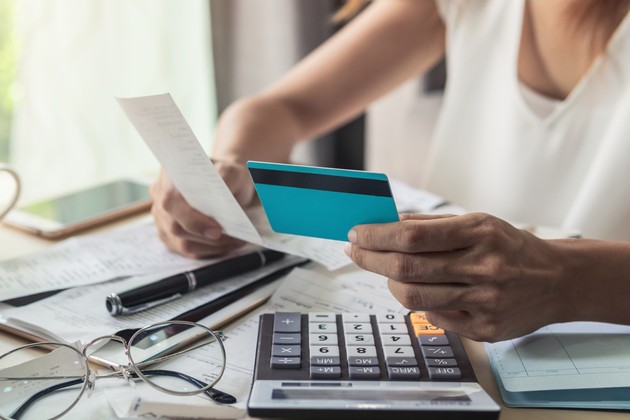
x=391, y=41
x=388, y=43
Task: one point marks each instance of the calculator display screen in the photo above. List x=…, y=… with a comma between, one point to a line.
x=376, y=395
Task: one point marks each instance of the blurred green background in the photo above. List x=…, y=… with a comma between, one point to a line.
x=8, y=52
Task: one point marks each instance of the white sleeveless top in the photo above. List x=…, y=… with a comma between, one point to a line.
x=563, y=164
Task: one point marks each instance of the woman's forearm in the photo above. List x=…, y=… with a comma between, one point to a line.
x=387, y=44
x=258, y=128
x=596, y=280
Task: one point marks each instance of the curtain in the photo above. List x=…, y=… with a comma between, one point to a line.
x=75, y=57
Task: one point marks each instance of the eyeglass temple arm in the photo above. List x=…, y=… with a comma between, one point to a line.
x=22, y=408
x=216, y=395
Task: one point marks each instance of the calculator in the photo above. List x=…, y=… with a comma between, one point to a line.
x=363, y=366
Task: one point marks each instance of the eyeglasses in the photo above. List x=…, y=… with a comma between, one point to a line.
x=175, y=357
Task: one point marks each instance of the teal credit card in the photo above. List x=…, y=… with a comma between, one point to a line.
x=321, y=202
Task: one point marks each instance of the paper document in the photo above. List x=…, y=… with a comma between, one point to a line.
x=166, y=132
x=132, y=250
x=575, y=365
x=565, y=356
x=160, y=123
x=410, y=199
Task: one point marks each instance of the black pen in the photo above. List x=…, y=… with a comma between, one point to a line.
x=171, y=288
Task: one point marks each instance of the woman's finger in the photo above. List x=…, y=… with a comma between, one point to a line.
x=433, y=267
x=431, y=297
x=416, y=235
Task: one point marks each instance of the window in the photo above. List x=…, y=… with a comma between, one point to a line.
x=7, y=73
x=74, y=57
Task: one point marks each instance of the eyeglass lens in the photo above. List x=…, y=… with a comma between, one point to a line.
x=32, y=374
x=177, y=357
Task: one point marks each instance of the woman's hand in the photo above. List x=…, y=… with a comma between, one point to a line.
x=186, y=230
x=474, y=274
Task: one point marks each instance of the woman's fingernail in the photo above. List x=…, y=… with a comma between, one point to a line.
x=352, y=235
x=347, y=249
x=212, y=233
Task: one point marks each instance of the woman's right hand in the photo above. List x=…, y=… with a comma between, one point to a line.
x=189, y=232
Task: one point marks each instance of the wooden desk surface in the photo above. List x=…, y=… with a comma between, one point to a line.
x=14, y=244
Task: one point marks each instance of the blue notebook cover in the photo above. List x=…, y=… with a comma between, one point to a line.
x=578, y=365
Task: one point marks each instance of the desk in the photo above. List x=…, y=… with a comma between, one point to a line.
x=14, y=244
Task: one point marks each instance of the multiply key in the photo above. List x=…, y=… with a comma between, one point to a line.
x=286, y=351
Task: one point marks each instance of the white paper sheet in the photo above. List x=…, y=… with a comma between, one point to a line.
x=163, y=128
x=80, y=261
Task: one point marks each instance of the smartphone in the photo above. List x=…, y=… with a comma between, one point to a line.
x=62, y=216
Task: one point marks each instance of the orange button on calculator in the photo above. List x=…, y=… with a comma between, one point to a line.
x=423, y=327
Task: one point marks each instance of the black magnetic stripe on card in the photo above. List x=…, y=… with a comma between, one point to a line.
x=312, y=181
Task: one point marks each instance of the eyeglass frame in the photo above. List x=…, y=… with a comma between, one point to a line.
x=127, y=371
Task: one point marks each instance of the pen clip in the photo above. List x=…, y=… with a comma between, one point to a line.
x=118, y=309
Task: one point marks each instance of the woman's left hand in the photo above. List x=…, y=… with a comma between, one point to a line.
x=474, y=274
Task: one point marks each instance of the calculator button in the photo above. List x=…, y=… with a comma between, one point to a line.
x=351, y=318
x=329, y=339
x=324, y=351
x=364, y=372
x=358, y=327
x=287, y=338
x=392, y=328
x=390, y=319
x=401, y=351
x=359, y=339
x=433, y=340
x=361, y=351
x=321, y=327
x=326, y=317
x=324, y=361
x=418, y=318
x=285, y=363
x=437, y=352
x=285, y=351
x=362, y=361
x=425, y=329
x=411, y=372
x=325, y=372
x=444, y=373
x=438, y=362
x=287, y=322
x=395, y=340
x=401, y=361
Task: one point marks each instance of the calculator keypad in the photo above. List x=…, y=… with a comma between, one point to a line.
x=363, y=346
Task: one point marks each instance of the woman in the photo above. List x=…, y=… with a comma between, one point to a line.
x=534, y=127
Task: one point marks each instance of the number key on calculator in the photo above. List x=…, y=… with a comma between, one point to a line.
x=327, y=365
